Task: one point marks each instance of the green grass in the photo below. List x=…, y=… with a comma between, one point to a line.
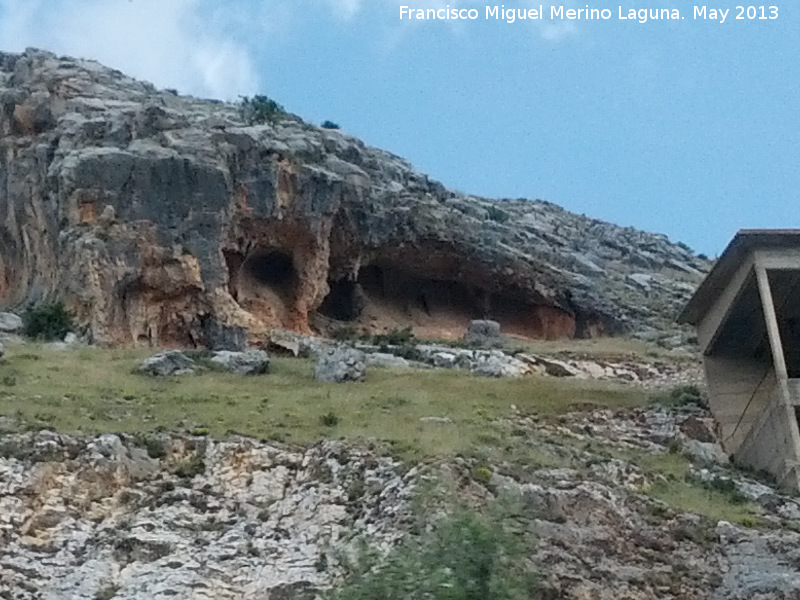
x=682, y=492
x=93, y=391
x=603, y=348
x=693, y=497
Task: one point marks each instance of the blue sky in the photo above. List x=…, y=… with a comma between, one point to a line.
x=688, y=128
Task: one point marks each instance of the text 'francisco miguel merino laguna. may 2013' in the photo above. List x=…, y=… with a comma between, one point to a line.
x=563, y=13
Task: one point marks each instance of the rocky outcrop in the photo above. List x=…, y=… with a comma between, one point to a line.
x=116, y=516
x=165, y=220
x=107, y=518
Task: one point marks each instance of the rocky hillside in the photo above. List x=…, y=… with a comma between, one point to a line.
x=603, y=493
x=167, y=220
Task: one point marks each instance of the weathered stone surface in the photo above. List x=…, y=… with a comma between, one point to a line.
x=382, y=359
x=173, y=362
x=340, y=364
x=251, y=362
x=483, y=332
x=10, y=323
x=704, y=453
x=557, y=368
x=758, y=566
x=88, y=518
x=498, y=364
x=262, y=522
x=701, y=430
x=165, y=220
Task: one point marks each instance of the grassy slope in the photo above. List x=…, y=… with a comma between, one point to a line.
x=91, y=390
x=94, y=391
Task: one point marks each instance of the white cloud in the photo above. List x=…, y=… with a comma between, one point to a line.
x=172, y=43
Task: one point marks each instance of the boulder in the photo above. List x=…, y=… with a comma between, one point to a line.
x=483, y=332
x=556, y=368
x=250, y=362
x=10, y=323
x=497, y=364
x=340, y=364
x=701, y=430
x=704, y=454
x=173, y=362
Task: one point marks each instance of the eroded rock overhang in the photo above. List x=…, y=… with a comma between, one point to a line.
x=163, y=220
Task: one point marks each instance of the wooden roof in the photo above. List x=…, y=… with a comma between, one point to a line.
x=742, y=244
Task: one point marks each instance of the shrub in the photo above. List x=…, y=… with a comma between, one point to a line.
x=47, y=322
x=464, y=557
x=395, y=337
x=728, y=488
x=482, y=475
x=329, y=419
x=260, y=109
x=329, y=125
x=190, y=467
x=346, y=333
x=680, y=396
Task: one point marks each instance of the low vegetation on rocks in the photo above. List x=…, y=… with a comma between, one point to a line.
x=260, y=109
x=47, y=322
x=464, y=556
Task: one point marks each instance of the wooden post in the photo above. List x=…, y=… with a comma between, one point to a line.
x=773, y=332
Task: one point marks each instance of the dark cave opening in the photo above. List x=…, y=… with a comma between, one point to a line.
x=274, y=269
x=344, y=302
x=417, y=295
x=233, y=260
x=447, y=306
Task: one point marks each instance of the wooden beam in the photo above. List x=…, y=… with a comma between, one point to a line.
x=783, y=259
x=778, y=359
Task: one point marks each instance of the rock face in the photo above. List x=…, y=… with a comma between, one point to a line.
x=165, y=220
x=205, y=520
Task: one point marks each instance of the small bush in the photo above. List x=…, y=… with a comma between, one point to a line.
x=156, y=446
x=728, y=488
x=680, y=396
x=190, y=467
x=482, y=475
x=346, y=333
x=259, y=110
x=47, y=322
x=329, y=419
x=329, y=125
x=464, y=557
x=395, y=337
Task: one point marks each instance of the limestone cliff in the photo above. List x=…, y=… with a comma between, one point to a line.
x=165, y=220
